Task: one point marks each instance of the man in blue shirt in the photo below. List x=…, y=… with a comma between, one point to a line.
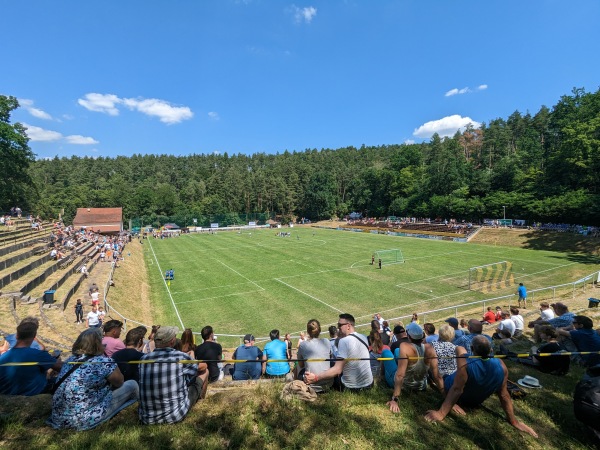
x=26, y=380
x=584, y=338
x=522, y=291
x=247, y=352
x=11, y=339
x=475, y=380
x=276, y=349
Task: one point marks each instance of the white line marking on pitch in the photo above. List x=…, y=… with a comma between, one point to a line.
x=308, y=295
x=167, y=287
x=246, y=278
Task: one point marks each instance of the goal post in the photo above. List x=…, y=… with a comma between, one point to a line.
x=491, y=277
x=391, y=256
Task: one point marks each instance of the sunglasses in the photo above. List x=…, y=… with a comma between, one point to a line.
x=340, y=325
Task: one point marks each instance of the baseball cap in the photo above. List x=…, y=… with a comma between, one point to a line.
x=452, y=321
x=399, y=329
x=165, y=334
x=248, y=338
x=414, y=331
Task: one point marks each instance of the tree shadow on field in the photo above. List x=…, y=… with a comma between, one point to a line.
x=584, y=249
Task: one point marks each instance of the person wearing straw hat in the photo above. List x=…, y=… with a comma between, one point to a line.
x=475, y=380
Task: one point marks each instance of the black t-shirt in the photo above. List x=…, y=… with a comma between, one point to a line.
x=129, y=371
x=210, y=350
x=396, y=344
x=553, y=364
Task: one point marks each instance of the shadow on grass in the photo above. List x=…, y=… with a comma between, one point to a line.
x=581, y=249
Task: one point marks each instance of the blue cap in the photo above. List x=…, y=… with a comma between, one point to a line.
x=414, y=331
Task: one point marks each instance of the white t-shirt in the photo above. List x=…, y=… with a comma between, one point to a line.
x=507, y=324
x=92, y=318
x=519, y=322
x=356, y=374
x=547, y=314
x=95, y=296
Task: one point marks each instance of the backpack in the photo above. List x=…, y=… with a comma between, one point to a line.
x=586, y=402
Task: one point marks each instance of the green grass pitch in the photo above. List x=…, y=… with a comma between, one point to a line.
x=252, y=282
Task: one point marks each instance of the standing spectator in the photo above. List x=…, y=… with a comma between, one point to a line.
x=353, y=363
x=91, y=393
x=101, y=314
x=415, y=318
x=93, y=320
x=78, y=311
x=169, y=390
x=314, y=348
x=248, y=352
x=95, y=297
x=276, y=349
x=522, y=292
x=211, y=352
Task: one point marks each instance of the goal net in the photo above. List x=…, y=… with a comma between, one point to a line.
x=392, y=256
x=491, y=277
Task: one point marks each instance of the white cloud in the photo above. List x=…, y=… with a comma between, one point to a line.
x=35, y=112
x=465, y=90
x=447, y=126
x=306, y=14
x=108, y=104
x=409, y=141
x=213, y=115
x=80, y=140
x=37, y=134
x=105, y=103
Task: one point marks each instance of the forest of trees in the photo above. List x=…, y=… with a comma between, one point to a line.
x=542, y=167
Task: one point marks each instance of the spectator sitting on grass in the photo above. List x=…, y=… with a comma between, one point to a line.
x=10, y=340
x=398, y=337
x=169, y=389
x=430, y=335
x=26, y=379
x=112, y=333
x=353, y=359
x=453, y=322
x=506, y=324
x=475, y=380
x=558, y=365
x=518, y=320
x=445, y=351
x=134, y=342
x=582, y=337
x=187, y=342
x=375, y=350
x=276, y=349
x=210, y=351
x=563, y=319
x=314, y=348
x=411, y=374
x=247, y=352
x=489, y=316
x=90, y=393
x=475, y=329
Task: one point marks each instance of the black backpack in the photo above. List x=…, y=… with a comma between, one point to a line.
x=586, y=402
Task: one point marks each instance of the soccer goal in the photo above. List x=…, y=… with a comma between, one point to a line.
x=392, y=256
x=491, y=277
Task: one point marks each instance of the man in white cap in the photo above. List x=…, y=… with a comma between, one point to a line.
x=411, y=374
x=168, y=388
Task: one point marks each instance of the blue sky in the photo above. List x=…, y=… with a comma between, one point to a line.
x=108, y=78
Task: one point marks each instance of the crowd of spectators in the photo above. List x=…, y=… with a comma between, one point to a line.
x=403, y=358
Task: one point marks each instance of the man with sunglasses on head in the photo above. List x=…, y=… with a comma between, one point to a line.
x=353, y=359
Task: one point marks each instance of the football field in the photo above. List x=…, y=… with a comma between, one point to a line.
x=255, y=281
